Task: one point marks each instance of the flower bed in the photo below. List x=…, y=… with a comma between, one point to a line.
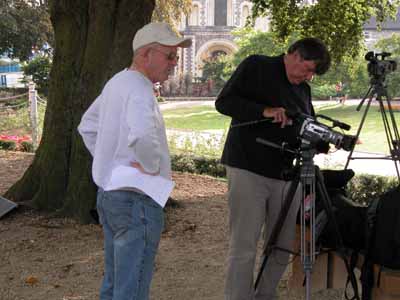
x=16, y=143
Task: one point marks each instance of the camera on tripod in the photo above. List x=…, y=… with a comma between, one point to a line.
x=379, y=68
x=314, y=134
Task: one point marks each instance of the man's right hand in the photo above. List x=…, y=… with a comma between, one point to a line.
x=278, y=114
x=138, y=166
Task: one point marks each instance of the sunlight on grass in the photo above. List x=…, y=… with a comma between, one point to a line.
x=195, y=118
x=372, y=135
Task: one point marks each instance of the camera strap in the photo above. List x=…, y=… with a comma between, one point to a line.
x=351, y=278
x=251, y=122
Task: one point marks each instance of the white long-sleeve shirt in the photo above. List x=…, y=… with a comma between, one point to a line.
x=124, y=125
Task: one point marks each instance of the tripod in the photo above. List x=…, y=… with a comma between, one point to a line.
x=379, y=90
x=310, y=178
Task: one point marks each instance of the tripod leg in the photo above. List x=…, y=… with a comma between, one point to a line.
x=278, y=226
x=392, y=132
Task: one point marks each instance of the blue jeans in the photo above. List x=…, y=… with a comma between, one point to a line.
x=132, y=225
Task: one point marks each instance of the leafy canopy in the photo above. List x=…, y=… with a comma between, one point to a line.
x=171, y=11
x=39, y=69
x=24, y=25
x=338, y=23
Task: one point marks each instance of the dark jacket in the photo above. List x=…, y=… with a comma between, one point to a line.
x=260, y=82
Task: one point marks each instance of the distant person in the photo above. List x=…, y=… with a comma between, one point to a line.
x=340, y=95
x=125, y=133
x=263, y=87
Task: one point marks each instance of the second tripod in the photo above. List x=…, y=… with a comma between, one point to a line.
x=377, y=70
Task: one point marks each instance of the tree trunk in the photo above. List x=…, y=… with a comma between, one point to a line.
x=93, y=41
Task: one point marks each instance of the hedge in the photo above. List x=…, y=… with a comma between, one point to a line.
x=362, y=189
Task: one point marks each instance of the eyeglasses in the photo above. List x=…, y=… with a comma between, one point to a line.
x=170, y=56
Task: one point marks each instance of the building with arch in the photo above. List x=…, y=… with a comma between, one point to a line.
x=211, y=22
x=209, y=26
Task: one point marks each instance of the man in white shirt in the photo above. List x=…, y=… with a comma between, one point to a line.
x=124, y=131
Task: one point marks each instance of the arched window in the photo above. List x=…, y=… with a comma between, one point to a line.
x=194, y=19
x=220, y=13
x=245, y=14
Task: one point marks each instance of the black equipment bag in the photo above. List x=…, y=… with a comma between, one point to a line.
x=349, y=216
x=351, y=223
x=385, y=240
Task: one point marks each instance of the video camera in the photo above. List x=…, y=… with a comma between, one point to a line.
x=379, y=68
x=314, y=134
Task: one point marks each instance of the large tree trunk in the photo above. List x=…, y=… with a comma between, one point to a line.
x=93, y=41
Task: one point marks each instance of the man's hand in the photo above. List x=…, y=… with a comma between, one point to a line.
x=140, y=168
x=278, y=114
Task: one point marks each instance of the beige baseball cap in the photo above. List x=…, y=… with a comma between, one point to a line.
x=161, y=33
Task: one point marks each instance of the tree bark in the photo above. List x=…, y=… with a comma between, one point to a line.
x=93, y=41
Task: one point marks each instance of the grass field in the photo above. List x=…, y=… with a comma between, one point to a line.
x=372, y=135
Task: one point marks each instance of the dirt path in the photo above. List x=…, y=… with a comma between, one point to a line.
x=44, y=258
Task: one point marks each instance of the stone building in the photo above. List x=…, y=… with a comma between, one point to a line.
x=388, y=28
x=209, y=26
x=211, y=22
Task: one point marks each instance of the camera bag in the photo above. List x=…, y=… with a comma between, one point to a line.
x=383, y=239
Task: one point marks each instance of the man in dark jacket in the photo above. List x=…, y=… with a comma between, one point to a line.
x=263, y=88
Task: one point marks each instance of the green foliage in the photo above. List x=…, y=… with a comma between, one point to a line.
x=197, y=143
x=183, y=163
x=324, y=91
x=392, y=45
x=27, y=147
x=251, y=41
x=18, y=119
x=24, y=25
x=217, y=70
x=39, y=69
x=339, y=24
x=170, y=10
x=8, y=145
x=198, y=165
x=364, y=188
x=351, y=71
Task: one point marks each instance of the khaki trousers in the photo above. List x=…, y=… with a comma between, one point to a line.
x=255, y=201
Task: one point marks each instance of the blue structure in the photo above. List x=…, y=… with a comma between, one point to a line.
x=10, y=73
x=10, y=68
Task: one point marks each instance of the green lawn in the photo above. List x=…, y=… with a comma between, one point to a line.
x=372, y=134
x=195, y=118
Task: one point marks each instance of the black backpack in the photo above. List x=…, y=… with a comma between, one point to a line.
x=384, y=247
x=383, y=238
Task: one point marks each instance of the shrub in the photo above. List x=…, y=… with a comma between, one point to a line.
x=27, y=146
x=323, y=91
x=39, y=69
x=197, y=164
x=364, y=188
x=183, y=163
x=8, y=145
